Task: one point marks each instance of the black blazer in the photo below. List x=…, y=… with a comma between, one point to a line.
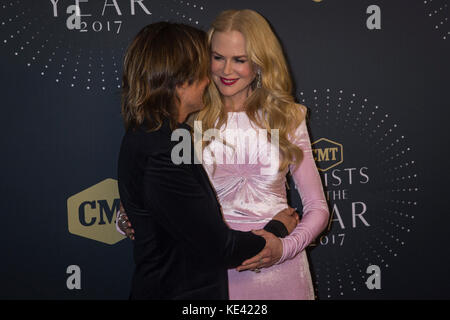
x=182, y=246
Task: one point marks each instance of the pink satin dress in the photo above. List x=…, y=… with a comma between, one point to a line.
x=250, y=197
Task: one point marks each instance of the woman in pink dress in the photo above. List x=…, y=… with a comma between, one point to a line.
x=250, y=92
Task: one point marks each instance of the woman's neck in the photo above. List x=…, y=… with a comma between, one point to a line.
x=236, y=103
x=239, y=108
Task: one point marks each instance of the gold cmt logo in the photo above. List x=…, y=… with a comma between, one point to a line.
x=327, y=153
x=92, y=212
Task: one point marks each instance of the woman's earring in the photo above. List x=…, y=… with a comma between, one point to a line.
x=258, y=80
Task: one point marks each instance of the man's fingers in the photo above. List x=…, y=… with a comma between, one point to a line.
x=259, y=232
x=130, y=233
x=262, y=263
x=262, y=233
x=248, y=267
x=265, y=253
x=255, y=259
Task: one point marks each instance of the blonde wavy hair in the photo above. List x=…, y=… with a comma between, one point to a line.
x=274, y=98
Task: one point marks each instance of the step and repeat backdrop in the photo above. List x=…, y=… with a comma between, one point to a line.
x=374, y=76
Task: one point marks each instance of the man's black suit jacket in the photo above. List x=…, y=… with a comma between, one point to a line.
x=182, y=246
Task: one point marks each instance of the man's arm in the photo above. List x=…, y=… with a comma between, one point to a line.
x=275, y=226
x=180, y=204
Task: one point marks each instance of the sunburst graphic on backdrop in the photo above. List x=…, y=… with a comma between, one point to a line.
x=437, y=12
x=90, y=58
x=373, y=140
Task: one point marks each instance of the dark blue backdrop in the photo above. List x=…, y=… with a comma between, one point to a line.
x=378, y=95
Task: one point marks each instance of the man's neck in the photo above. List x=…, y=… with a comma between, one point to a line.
x=182, y=113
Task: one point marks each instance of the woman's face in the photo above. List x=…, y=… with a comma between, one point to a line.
x=231, y=69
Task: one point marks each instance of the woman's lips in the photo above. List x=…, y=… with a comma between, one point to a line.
x=228, y=82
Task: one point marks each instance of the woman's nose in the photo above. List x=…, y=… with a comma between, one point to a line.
x=228, y=67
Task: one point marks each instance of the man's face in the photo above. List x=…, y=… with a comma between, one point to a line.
x=192, y=96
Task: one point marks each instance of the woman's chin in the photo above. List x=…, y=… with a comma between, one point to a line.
x=228, y=91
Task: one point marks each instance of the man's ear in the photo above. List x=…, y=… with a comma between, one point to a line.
x=183, y=86
x=179, y=89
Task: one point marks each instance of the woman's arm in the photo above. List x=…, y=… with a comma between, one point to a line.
x=315, y=209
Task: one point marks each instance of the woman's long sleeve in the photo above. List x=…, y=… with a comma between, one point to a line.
x=315, y=209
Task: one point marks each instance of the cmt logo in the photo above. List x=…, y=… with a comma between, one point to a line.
x=92, y=212
x=327, y=153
